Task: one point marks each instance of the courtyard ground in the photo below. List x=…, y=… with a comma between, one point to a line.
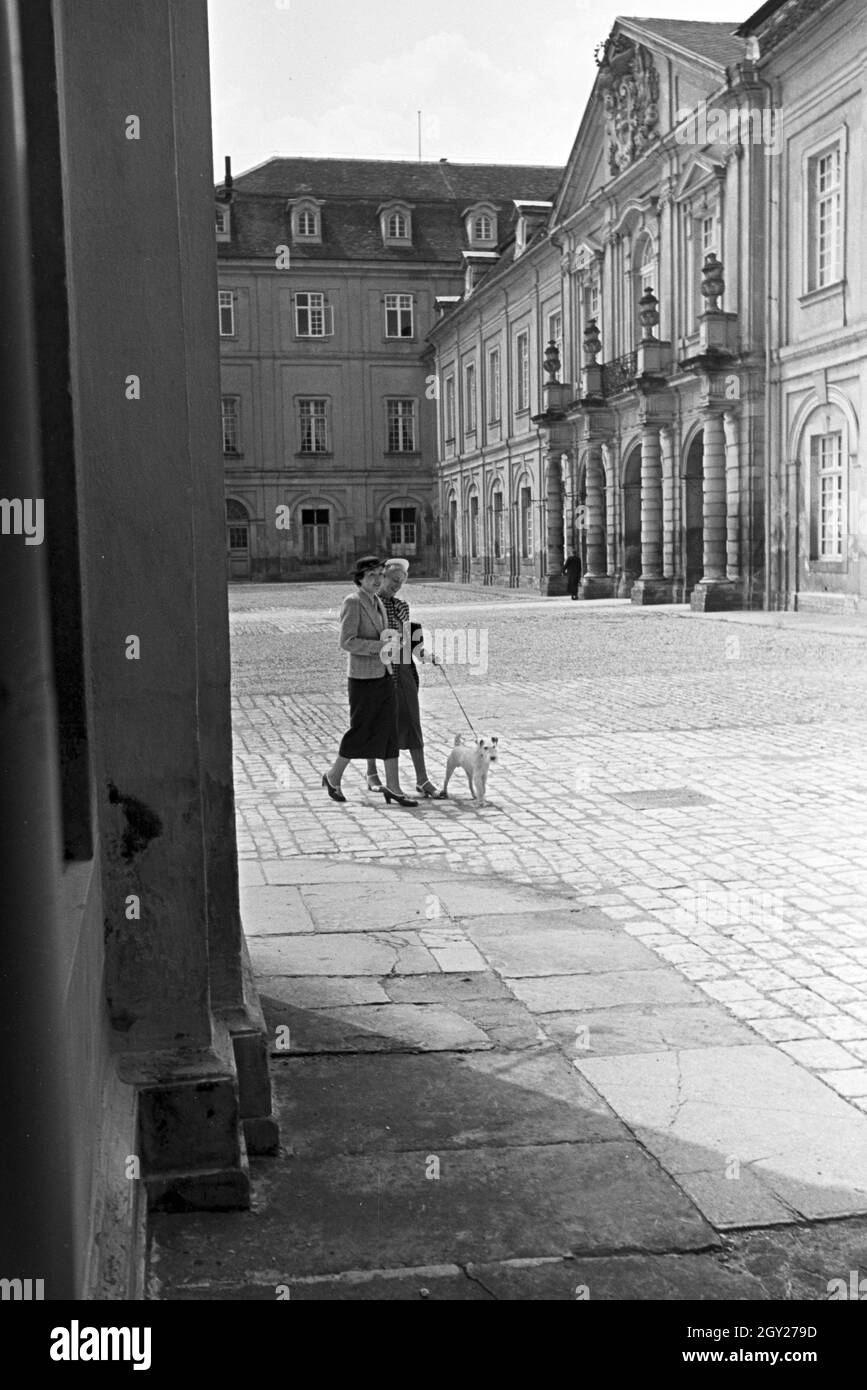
x=605, y=1037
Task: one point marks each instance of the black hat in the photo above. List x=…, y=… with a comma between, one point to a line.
x=364, y=565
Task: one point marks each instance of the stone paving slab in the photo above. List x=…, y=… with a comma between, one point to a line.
x=790, y=1147
x=623, y=1031
x=336, y=953
x=515, y=949
x=370, y=1028
x=328, y=991
x=330, y=870
x=361, y=1212
x=480, y=1099
x=445, y=1283
x=465, y=898
x=270, y=911
x=363, y=906
x=560, y=993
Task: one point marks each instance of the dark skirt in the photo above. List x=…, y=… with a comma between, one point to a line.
x=372, y=731
x=409, y=733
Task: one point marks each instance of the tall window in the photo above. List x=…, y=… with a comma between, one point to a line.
x=222, y=220
x=402, y=530
x=494, y=390
x=526, y=524
x=307, y=221
x=828, y=504
x=231, y=424
x=453, y=528
x=401, y=427
x=555, y=329
x=591, y=300
x=470, y=398
x=314, y=426
x=825, y=213
x=398, y=226
x=709, y=237
x=315, y=526
x=498, y=527
x=398, y=316
x=450, y=407
x=474, y=526
x=313, y=316
x=483, y=228
x=522, y=354
x=237, y=524
x=227, y=314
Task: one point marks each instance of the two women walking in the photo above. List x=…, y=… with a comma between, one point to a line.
x=377, y=635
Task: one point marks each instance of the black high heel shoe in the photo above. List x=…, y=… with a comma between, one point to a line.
x=432, y=794
x=334, y=792
x=399, y=797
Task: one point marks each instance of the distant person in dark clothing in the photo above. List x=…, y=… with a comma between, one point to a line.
x=572, y=571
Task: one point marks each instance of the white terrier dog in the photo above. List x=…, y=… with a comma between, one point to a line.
x=475, y=759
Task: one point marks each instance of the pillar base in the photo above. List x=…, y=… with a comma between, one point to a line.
x=191, y=1151
x=555, y=585
x=647, y=591
x=624, y=585
x=716, y=596
x=596, y=586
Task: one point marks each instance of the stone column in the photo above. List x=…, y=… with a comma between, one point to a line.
x=714, y=509
x=612, y=510
x=714, y=591
x=650, y=587
x=595, y=583
x=731, y=424
x=595, y=487
x=666, y=440
x=555, y=580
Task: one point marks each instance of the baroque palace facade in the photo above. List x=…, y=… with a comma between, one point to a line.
x=331, y=275
x=696, y=282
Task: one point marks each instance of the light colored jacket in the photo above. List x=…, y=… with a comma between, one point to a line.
x=362, y=619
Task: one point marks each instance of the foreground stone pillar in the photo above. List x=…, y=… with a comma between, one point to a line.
x=714, y=590
x=650, y=586
x=137, y=163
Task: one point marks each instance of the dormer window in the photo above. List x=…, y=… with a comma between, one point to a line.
x=222, y=217
x=306, y=215
x=480, y=222
x=395, y=221
x=531, y=216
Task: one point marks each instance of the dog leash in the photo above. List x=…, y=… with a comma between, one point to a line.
x=460, y=706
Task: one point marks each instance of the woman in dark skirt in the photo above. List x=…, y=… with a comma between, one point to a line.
x=409, y=734
x=372, y=729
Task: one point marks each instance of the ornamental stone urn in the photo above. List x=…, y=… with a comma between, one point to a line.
x=552, y=363
x=712, y=283
x=592, y=343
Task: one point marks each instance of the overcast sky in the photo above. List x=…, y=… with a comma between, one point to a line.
x=496, y=80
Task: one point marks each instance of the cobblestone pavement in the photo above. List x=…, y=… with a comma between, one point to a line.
x=702, y=781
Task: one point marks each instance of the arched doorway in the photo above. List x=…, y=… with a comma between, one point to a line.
x=237, y=539
x=693, y=515
x=631, y=522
